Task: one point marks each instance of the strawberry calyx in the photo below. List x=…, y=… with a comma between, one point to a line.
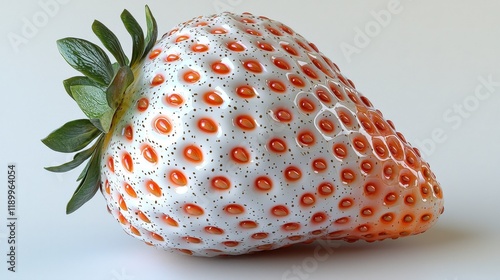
x=99, y=94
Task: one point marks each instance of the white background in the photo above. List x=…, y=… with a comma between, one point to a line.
x=419, y=67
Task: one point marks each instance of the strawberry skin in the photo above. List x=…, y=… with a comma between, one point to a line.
x=238, y=135
x=233, y=134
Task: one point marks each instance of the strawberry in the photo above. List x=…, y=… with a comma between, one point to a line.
x=233, y=134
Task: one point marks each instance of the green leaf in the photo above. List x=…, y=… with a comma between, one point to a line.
x=78, y=159
x=78, y=80
x=110, y=41
x=94, y=104
x=135, y=31
x=152, y=32
x=88, y=186
x=87, y=58
x=114, y=94
x=72, y=136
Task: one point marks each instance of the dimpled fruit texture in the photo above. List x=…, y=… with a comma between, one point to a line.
x=238, y=135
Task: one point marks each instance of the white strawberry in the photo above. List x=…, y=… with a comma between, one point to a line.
x=234, y=134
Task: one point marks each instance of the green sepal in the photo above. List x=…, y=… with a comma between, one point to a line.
x=114, y=94
x=78, y=80
x=88, y=186
x=152, y=31
x=110, y=41
x=78, y=159
x=72, y=136
x=93, y=102
x=135, y=31
x=87, y=58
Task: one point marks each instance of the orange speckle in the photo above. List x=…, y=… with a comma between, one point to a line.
x=111, y=164
x=154, y=53
x=186, y=251
x=263, y=183
x=346, y=203
x=295, y=237
x=253, y=66
x=307, y=199
x=274, y=31
x=310, y=72
x=326, y=189
x=348, y=176
x=231, y=243
x=157, y=80
x=127, y=162
x=153, y=188
x=319, y=165
x=340, y=150
x=306, y=138
x=170, y=221
x=178, y=178
x=281, y=63
x=143, y=217
x=107, y=187
x=190, y=239
x=199, y=48
x=130, y=191
x=366, y=212
x=319, y=218
x=370, y=188
x=142, y=104
x=172, y=57
x=292, y=173
x=307, y=105
x=326, y=126
x=260, y=235
x=343, y=220
x=277, y=145
x=323, y=96
x=234, y=209
x=221, y=183
x=175, y=99
x=277, y=86
x=248, y=224
x=128, y=132
x=291, y=226
x=359, y=143
x=122, y=203
x=214, y=230
x=247, y=20
x=218, y=30
x=390, y=198
x=162, y=125
x=289, y=49
x=336, y=91
x=157, y=237
x=366, y=166
x=280, y=211
x=207, y=125
x=240, y=155
x=135, y=231
x=245, y=122
x=283, y=115
x=193, y=153
x=221, y=68
x=181, y=38
x=122, y=219
x=286, y=29
x=149, y=154
x=235, y=46
x=296, y=81
x=265, y=46
x=191, y=76
x=245, y=92
x=253, y=32
x=213, y=98
x=193, y=210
